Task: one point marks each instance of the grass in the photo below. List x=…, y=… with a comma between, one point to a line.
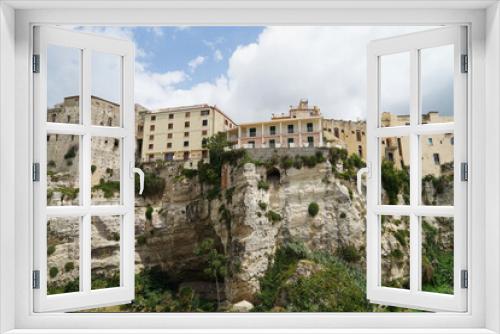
x=109, y=188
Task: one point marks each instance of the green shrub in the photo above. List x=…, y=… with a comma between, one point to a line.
x=149, y=213
x=402, y=236
x=51, y=250
x=348, y=253
x=69, y=266
x=109, y=188
x=342, y=215
x=71, y=153
x=108, y=171
x=68, y=193
x=286, y=162
x=53, y=272
x=298, y=163
x=51, y=164
x=154, y=185
x=273, y=216
x=93, y=168
x=189, y=173
x=141, y=240
x=262, y=205
x=115, y=236
x=395, y=182
x=313, y=209
x=229, y=194
x=263, y=185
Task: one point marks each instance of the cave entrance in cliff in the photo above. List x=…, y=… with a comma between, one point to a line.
x=273, y=176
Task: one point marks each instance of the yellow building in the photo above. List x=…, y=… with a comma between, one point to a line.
x=301, y=127
x=177, y=134
x=350, y=135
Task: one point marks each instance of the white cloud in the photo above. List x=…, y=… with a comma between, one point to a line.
x=218, y=55
x=194, y=63
x=327, y=65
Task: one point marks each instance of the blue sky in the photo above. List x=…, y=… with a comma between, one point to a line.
x=172, y=48
x=252, y=72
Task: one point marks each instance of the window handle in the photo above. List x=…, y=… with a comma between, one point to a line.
x=359, y=175
x=141, y=179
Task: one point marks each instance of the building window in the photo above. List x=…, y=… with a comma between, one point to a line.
x=251, y=143
x=151, y=157
x=169, y=136
x=140, y=128
x=151, y=137
x=226, y=122
x=435, y=156
x=153, y=118
x=290, y=128
x=204, y=132
x=53, y=118
x=310, y=141
x=429, y=141
x=272, y=143
x=151, y=146
x=152, y=128
x=169, y=145
x=390, y=156
x=360, y=151
x=309, y=127
x=204, y=142
x=290, y=142
x=205, y=112
x=204, y=154
x=336, y=132
x=272, y=130
x=186, y=156
x=186, y=144
x=188, y=114
x=69, y=119
x=204, y=122
x=186, y=124
x=252, y=132
x=170, y=126
x=169, y=156
x=186, y=134
x=452, y=140
x=358, y=135
x=171, y=116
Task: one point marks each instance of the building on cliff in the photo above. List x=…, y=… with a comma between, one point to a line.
x=301, y=127
x=177, y=134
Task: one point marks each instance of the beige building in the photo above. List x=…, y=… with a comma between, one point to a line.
x=436, y=150
x=350, y=135
x=301, y=127
x=177, y=134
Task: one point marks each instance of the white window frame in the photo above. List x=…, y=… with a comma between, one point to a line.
x=411, y=44
x=15, y=169
x=85, y=210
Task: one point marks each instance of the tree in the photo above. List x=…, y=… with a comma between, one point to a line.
x=215, y=263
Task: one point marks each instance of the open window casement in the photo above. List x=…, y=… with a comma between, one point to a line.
x=83, y=169
x=417, y=106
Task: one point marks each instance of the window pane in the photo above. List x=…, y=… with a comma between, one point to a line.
x=105, y=252
x=106, y=89
x=395, y=89
x=395, y=170
x=63, y=255
x=63, y=84
x=395, y=251
x=63, y=156
x=105, y=168
x=437, y=254
x=436, y=84
x=437, y=169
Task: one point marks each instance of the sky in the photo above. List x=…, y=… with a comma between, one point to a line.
x=253, y=72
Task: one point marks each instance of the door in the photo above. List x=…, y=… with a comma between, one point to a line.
x=83, y=170
x=417, y=187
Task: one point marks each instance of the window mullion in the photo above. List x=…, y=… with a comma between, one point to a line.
x=414, y=172
x=86, y=176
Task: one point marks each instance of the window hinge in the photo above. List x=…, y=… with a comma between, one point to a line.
x=464, y=170
x=464, y=284
x=36, y=172
x=465, y=63
x=36, y=279
x=36, y=63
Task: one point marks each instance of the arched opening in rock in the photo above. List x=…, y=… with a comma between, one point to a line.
x=273, y=175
